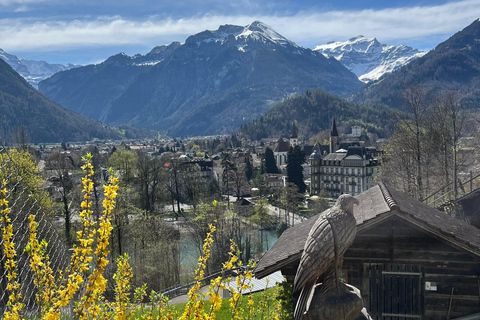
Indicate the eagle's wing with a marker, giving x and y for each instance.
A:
(318, 253)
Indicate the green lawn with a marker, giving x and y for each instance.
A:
(225, 311)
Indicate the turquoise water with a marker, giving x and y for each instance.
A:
(261, 241)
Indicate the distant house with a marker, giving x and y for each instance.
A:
(356, 131)
(206, 166)
(409, 260)
(274, 180)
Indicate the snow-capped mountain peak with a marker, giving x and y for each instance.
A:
(243, 37)
(358, 44)
(260, 29)
(33, 71)
(367, 57)
(256, 31)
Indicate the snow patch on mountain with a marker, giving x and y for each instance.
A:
(33, 71)
(261, 31)
(368, 58)
(148, 63)
(256, 31)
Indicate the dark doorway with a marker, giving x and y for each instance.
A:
(395, 292)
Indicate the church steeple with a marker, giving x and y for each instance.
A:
(334, 132)
(334, 143)
(293, 136)
(294, 131)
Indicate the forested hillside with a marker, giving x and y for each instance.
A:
(313, 112)
(43, 119)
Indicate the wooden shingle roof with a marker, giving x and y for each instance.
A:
(376, 204)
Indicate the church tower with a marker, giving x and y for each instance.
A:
(334, 142)
(293, 136)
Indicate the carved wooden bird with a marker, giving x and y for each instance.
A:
(322, 257)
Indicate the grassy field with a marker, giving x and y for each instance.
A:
(225, 312)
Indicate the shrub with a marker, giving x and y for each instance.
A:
(89, 257)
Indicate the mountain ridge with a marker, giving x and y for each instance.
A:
(368, 58)
(212, 83)
(32, 70)
(453, 65)
(313, 112)
(43, 119)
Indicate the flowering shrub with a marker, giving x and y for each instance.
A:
(14, 306)
(90, 257)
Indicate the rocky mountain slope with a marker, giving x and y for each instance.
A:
(368, 58)
(43, 119)
(212, 83)
(453, 65)
(33, 71)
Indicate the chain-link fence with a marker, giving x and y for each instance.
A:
(22, 202)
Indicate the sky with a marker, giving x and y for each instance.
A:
(89, 31)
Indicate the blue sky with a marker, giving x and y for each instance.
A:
(89, 31)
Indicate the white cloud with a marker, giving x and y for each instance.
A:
(306, 28)
(386, 24)
(19, 2)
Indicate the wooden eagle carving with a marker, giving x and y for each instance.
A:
(322, 256)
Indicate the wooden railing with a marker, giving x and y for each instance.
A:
(447, 194)
(181, 290)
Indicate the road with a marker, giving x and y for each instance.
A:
(274, 211)
(293, 218)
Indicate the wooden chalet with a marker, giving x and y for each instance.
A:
(409, 260)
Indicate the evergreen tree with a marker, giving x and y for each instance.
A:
(270, 165)
(228, 166)
(262, 186)
(248, 169)
(295, 159)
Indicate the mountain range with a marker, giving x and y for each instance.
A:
(219, 79)
(43, 119)
(453, 65)
(210, 84)
(32, 70)
(368, 58)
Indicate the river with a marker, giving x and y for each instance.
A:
(189, 253)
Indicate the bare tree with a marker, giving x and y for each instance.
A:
(290, 199)
(172, 164)
(21, 137)
(417, 109)
(239, 179)
(421, 155)
(194, 185)
(61, 164)
(149, 178)
(155, 248)
(228, 166)
(448, 125)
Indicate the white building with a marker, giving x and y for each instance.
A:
(351, 170)
(281, 149)
(356, 131)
